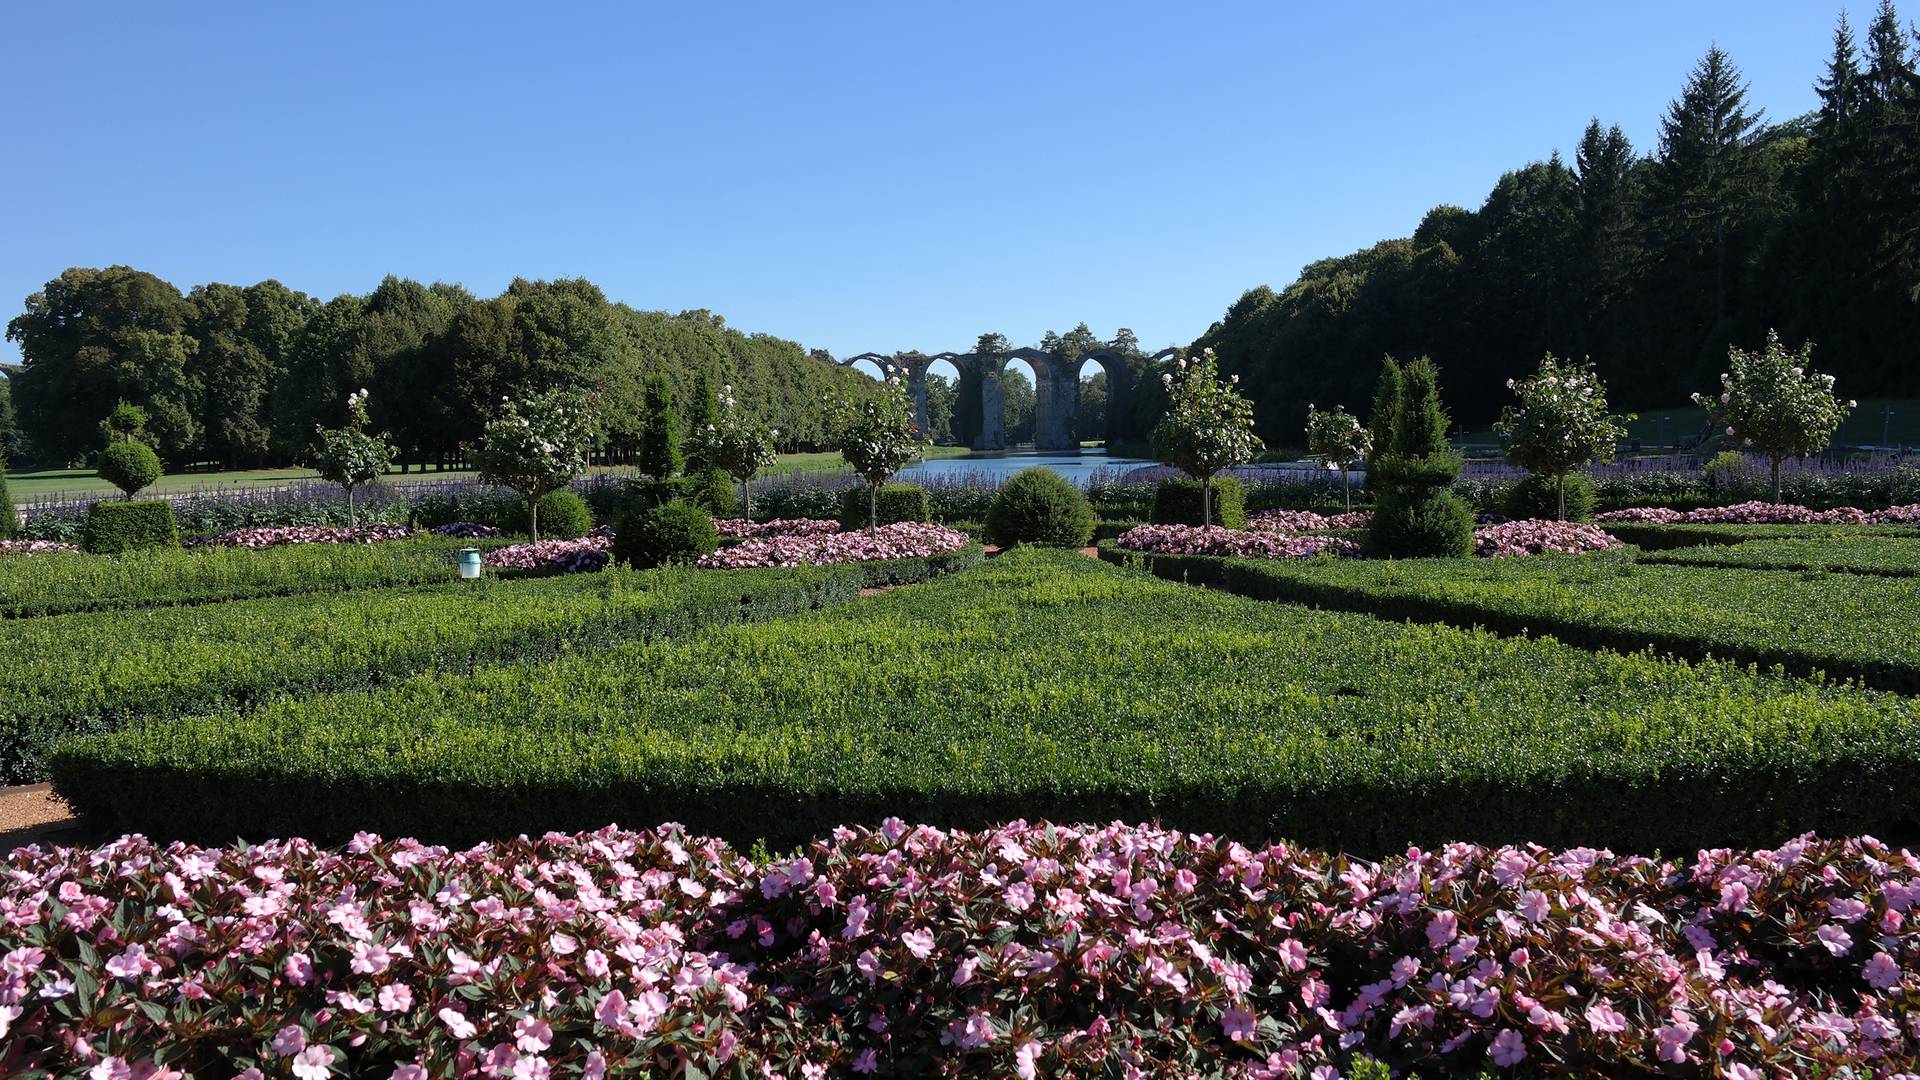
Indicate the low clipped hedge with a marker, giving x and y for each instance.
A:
(885, 572)
(1179, 502)
(1842, 626)
(894, 502)
(168, 576)
(115, 527)
(77, 674)
(1044, 685)
(1882, 556)
(1663, 537)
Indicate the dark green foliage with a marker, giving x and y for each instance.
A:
(1039, 506)
(1845, 625)
(676, 532)
(660, 455)
(713, 491)
(129, 466)
(76, 674)
(1411, 476)
(894, 502)
(1178, 502)
(563, 516)
(1043, 685)
(705, 411)
(114, 527)
(499, 508)
(9, 520)
(1538, 497)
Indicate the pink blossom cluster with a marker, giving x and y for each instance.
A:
(33, 547)
(900, 540)
(261, 536)
(1027, 950)
(1764, 513)
(1216, 540)
(1536, 536)
(1304, 521)
(742, 527)
(585, 555)
(470, 530)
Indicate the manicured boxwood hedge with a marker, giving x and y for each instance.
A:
(1848, 627)
(1883, 556)
(115, 527)
(1047, 685)
(1662, 537)
(50, 584)
(72, 674)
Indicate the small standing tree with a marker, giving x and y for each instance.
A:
(878, 436)
(1208, 427)
(125, 422)
(1560, 423)
(1338, 438)
(660, 432)
(351, 456)
(538, 445)
(1774, 402)
(733, 445)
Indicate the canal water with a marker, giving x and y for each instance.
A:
(1075, 467)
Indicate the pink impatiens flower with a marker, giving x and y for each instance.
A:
(1881, 972)
(1239, 1024)
(314, 1063)
(1605, 1019)
(1508, 1048)
(1835, 938)
(918, 942)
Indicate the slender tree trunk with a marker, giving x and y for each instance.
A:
(1346, 488)
(1206, 502)
(350, 517)
(746, 488)
(1561, 483)
(873, 506)
(1776, 477)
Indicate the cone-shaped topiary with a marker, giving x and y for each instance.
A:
(1415, 513)
(1039, 506)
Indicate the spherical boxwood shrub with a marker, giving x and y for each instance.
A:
(1177, 502)
(712, 491)
(1537, 497)
(129, 466)
(1039, 506)
(678, 532)
(114, 527)
(564, 515)
(897, 502)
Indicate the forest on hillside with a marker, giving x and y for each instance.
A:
(1651, 263)
(238, 376)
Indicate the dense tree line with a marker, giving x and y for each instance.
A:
(1651, 264)
(239, 376)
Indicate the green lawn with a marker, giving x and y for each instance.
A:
(84, 482)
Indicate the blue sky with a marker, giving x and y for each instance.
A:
(884, 176)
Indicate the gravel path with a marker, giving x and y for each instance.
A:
(32, 815)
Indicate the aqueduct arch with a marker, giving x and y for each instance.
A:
(1056, 389)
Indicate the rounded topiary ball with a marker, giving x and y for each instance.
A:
(1538, 497)
(129, 466)
(678, 532)
(564, 515)
(1039, 506)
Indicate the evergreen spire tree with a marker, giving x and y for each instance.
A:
(1890, 126)
(660, 431)
(1415, 511)
(1604, 164)
(706, 416)
(1386, 405)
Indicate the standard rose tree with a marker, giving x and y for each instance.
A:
(1208, 427)
(732, 444)
(1774, 402)
(878, 436)
(1560, 423)
(537, 445)
(1338, 438)
(350, 456)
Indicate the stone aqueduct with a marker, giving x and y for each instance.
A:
(1056, 389)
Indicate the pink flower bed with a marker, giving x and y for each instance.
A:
(1023, 951)
(1307, 521)
(272, 536)
(585, 555)
(1764, 513)
(741, 527)
(1538, 537)
(34, 547)
(901, 540)
(1215, 540)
